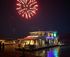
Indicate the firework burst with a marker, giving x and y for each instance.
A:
(27, 8)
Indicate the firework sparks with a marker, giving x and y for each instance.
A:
(27, 8)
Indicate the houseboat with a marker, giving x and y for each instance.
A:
(39, 39)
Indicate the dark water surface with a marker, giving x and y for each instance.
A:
(51, 52)
(10, 51)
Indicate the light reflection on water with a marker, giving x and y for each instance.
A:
(52, 52)
(62, 51)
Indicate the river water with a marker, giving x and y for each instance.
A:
(63, 51)
(50, 52)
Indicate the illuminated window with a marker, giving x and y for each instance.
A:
(50, 34)
(32, 42)
(55, 34)
(27, 42)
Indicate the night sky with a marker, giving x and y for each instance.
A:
(53, 15)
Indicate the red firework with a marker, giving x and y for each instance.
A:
(27, 8)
